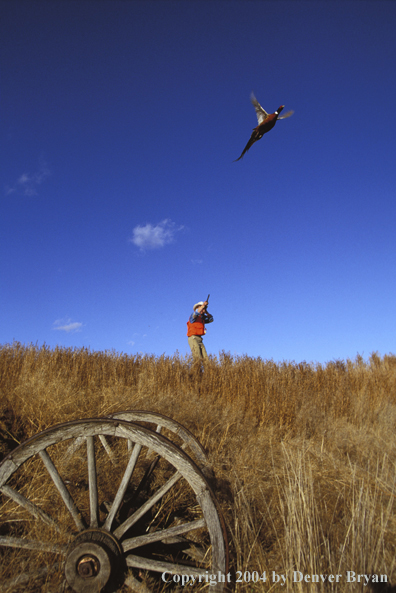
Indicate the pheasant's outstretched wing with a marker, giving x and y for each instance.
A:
(253, 138)
(260, 112)
(287, 114)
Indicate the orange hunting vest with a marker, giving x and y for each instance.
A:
(197, 328)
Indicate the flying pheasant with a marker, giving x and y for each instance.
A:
(266, 122)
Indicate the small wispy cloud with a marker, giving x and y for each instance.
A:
(197, 261)
(27, 184)
(67, 325)
(155, 237)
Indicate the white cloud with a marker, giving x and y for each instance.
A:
(154, 237)
(27, 183)
(67, 325)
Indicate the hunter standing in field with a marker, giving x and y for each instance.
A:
(196, 329)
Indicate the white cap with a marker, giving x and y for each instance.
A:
(198, 304)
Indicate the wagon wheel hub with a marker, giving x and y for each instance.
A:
(94, 560)
(88, 566)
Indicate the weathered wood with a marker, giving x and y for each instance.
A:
(146, 478)
(218, 535)
(163, 534)
(51, 436)
(29, 506)
(119, 532)
(77, 443)
(74, 446)
(123, 486)
(92, 481)
(108, 450)
(169, 567)
(189, 440)
(63, 491)
(28, 544)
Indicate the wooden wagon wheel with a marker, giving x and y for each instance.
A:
(80, 522)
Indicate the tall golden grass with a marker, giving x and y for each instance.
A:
(304, 453)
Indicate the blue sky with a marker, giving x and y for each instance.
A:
(121, 205)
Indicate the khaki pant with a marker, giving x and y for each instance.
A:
(197, 348)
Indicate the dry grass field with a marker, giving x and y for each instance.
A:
(304, 454)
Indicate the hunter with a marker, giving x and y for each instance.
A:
(196, 329)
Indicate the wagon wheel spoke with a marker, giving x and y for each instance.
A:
(108, 450)
(19, 542)
(119, 497)
(93, 484)
(158, 430)
(119, 532)
(170, 567)
(144, 481)
(74, 446)
(34, 510)
(63, 491)
(164, 534)
(78, 442)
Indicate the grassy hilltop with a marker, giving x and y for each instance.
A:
(304, 454)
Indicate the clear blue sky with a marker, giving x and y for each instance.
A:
(121, 205)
